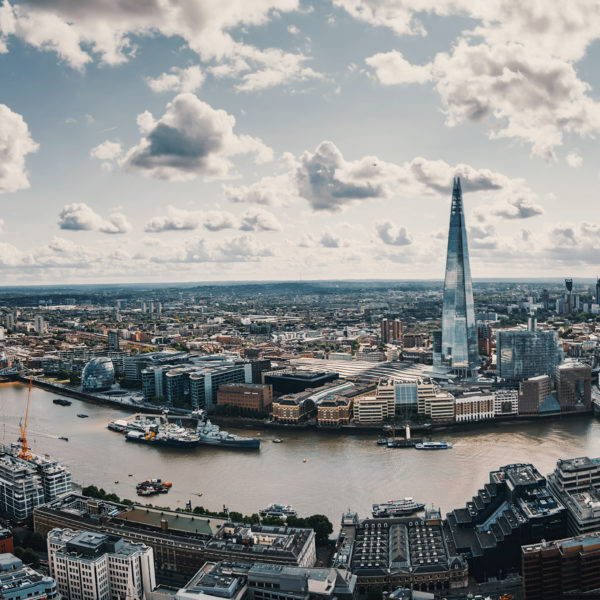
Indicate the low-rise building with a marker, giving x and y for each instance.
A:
(249, 397)
(89, 565)
(18, 581)
(371, 409)
(506, 402)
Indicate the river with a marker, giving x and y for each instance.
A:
(340, 472)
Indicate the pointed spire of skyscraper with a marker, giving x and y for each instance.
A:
(459, 334)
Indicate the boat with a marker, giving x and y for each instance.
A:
(82, 415)
(152, 486)
(116, 481)
(119, 425)
(211, 435)
(164, 437)
(382, 442)
(277, 441)
(62, 437)
(130, 475)
(282, 511)
(397, 508)
(62, 402)
(402, 443)
(433, 446)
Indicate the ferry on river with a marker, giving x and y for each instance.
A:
(397, 508)
(278, 510)
(433, 446)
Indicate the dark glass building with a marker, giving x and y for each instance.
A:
(98, 374)
(459, 332)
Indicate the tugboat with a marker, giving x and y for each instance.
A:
(397, 508)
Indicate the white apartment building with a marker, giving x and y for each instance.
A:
(474, 408)
(506, 402)
(88, 565)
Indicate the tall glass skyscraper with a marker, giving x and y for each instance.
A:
(458, 353)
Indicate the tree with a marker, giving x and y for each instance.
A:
(374, 593)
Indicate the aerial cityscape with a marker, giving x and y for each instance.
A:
(299, 300)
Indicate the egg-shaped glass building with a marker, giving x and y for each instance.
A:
(98, 375)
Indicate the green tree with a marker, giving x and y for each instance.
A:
(374, 593)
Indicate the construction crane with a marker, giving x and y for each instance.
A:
(25, 453)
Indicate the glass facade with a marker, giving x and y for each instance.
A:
(98, 374)
(459, 333)
(525, 354)
(406, 395)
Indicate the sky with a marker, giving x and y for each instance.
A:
(227, 140)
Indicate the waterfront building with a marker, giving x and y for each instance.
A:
(576, 482)
(98, 375)
(249, 397)
(573, 386)
(402, 394)
(177, 539)
(506, 402)
(294, 382)
(88, 565)
(532, 394)
(514, 508)
(459, 353)
(18, 581)
(335, 412)
(134, 365)
(474, 407)
(224, 579)
(412, 552)
(25, 484)
(263, 544)
(373, 409)
(566, 568)
(522, 354)
(113, 340)
(391, 330)
(425, 392)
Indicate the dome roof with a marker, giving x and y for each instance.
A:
(98, 374)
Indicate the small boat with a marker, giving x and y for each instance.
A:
(62, 437)
(277, 441)
(62, 402)
(433, 446)
(382, 442)
(130, 475)
(82, 415)
(117, 481)
(199, 494)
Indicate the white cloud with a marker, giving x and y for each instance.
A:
(177, 219)
(273, 190)
(259, 219)
(393, 236)
(574, 159)
(178, 80)
(329, 239)
(80, 217)
(216, 220)
(392, 68)
(107, 151)
(190, 139)
(15, 144)
(79, 31)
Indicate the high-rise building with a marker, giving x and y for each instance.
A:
(19, 581)
(113, 339)
(574, 386)
(532, 393)
(38, 324)
(523, 354)
(459, 333)
(10, 321)
(90, 565)
(598, 291)
(391, 331)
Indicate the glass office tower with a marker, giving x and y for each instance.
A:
(459, 333)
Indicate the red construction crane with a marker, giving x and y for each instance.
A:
(25, 452)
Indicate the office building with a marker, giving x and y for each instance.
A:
(514, 508)
(263, 544)
(567, 568)
(506, 402)
(88, 565)
(459, 353)
(335, 411)
(10, 321)
(573, 386)
(113, 340)
(576, 482)
(484, 339)
(373, 409)
(532, 394)
(26, 484)
(98, 375)
(293, 382)
(522, 354)
(438, 405)
(412, 552)
(248, 397)
(474, 407)
(18, 582)
(391, 330)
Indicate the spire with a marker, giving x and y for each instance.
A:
(456, 195)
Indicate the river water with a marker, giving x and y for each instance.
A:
(340, 472)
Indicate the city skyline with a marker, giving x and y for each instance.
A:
(288, 139)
